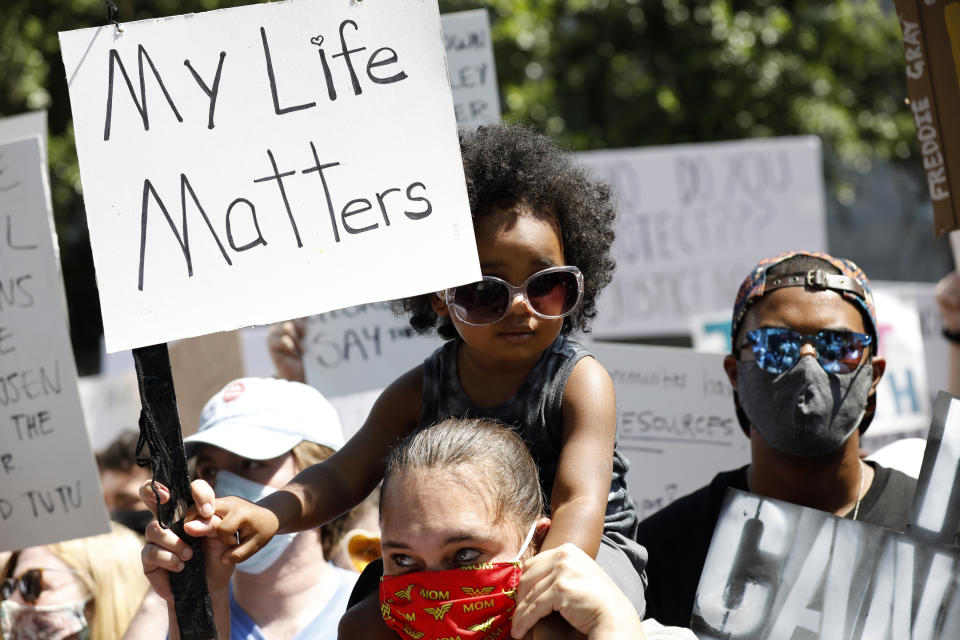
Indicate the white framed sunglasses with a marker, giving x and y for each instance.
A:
(553, 293)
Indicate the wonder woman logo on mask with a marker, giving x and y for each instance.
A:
(439, 612)
(405, 593)
(476, 593)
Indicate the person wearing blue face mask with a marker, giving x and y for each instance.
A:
(254, 436)
(804, 368)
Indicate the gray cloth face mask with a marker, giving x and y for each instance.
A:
(804, 411)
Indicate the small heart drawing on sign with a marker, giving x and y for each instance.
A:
(317, 40)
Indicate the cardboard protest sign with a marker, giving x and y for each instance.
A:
(271, 161)
(695, 218)
(49, 489)
(676, 421)
(111, 405)
(780, 571)
(931, 38)
(361, 349)
(202, 366)
(473, 74)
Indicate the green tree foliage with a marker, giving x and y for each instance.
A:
(594, 73)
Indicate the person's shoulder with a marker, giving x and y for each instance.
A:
(889, 501)
(703, 504)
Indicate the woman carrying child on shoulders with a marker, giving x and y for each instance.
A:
(543, 229)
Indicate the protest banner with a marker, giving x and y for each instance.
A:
(931, 38)
(676, 421)
(49, 490)
(695, 218)
(784, 572)
(361, 349)
(473, 74)
(277, 161)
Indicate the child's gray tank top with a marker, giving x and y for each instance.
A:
(535, 412)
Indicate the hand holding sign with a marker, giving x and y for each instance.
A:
(948, 299)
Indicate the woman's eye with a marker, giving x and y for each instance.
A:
(402, 560)
(250, 465)
(466, 556)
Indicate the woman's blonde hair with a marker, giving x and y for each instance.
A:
(109, 566)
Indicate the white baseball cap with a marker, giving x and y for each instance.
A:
(263, 418)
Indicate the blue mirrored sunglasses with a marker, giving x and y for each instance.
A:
(777, 350)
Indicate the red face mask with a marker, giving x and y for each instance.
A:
(475, 602)
(469, 603)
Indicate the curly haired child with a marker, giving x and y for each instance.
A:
(543, 228)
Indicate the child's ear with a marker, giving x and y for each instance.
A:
(439, 304)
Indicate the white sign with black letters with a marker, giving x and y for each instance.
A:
(361, 349)
(676, 421)
(49, 489)
(695, 218)
(473, 74)
(271, 161)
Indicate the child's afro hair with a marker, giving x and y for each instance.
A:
(508, 166)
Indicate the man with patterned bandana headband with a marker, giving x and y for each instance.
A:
(803, 415)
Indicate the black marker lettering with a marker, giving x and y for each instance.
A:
(319, 168)
(183, 238)
(283, 193)
(345, 54)
(418, 215)
(373, 62)
(383, 208)
(256, 225)
(211, 93)
(142, 103)
(16, 247)
(273, 81)
(348, 211)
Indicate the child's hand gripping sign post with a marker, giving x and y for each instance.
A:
(255, 164)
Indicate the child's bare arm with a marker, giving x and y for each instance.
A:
(579, 497)
(323, 491)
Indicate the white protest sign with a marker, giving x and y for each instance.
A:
(49, 489)
(676, 421)
(936, 349)
(111, 405)
(473, 74)
(271, 161)
(695, 218)
(25, 125)
(361, 348)
(903, 402)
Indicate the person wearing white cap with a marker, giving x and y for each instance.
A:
(254, 436)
